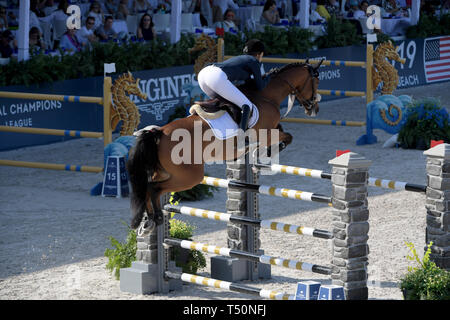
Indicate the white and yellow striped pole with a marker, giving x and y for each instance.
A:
(267, 190)
(319, 174)
(286, 263)
(265, 224)
(220, 284)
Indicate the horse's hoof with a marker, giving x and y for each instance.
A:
(146, 228)
(158, 218)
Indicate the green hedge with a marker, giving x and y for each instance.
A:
(429, 27)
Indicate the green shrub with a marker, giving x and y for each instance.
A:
(195, 259)
(426, 120)
(122, 254)
(429, 27)
(339, 33)
(426, 281)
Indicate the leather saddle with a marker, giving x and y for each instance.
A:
(213, 106)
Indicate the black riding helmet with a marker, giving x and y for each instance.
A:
(253, 47)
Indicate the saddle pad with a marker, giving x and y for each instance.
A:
(224, 127)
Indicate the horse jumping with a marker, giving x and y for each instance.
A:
(152, 171)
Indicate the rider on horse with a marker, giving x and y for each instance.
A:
(217, 79)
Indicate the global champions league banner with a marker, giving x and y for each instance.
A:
(427, 61)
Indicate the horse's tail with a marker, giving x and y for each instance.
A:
(142, 164)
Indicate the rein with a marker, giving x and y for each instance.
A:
(308, 104)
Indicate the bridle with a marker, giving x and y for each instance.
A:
(308, 104)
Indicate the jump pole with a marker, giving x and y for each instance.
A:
(319, 174)
(265, 224)
(226, 285)
(54, 132)
(262, 258)
(50, 166)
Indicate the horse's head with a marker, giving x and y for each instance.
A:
(303, 81)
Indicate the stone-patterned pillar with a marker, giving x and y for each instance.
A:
(350, 224)
(239, 236)
(147, 274)
(438, 204)
(237, 205)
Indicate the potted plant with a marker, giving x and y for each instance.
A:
(189, 260)
(426, 120)
(427, 281)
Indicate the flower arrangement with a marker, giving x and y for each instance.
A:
(426, 120)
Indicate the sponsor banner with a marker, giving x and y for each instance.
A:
(166, 89)
(50, 114)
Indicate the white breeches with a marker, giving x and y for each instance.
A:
(213, 81)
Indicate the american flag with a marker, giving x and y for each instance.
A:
(437, 59)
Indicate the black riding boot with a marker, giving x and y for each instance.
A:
(245, 117)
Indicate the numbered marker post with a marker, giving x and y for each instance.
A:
(115, 181)
(74, 21)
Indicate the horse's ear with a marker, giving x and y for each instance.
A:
(319, 64)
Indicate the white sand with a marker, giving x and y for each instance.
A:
(53, 234)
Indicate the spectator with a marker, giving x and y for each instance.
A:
(391, 6)
(87, 33)
(357, 10)
(111, 7)
(225, 4)
(34, 40)
(70, 41)
(332, 7)
(445, 6)
(3, 18)
(95, 11)
(142, 6)
(322, 10)
(146, 30)
(122, 10)
(50, 7)
(6, 50)
(228, 21)
(270, 13)
(362, 10)
(106, 32)
(314, 16)
(12, 20)
(165, 5)
(196, 7)
(37, 6)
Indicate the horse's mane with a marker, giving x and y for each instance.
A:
(275, 71)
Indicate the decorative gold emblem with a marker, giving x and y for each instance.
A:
(123, 109)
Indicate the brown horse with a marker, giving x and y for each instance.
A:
(152, 171)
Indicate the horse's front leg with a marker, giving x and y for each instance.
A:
(273, 143)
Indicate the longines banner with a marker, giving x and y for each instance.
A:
(427, 61)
